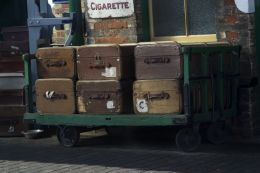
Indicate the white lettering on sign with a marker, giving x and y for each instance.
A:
(110, 8)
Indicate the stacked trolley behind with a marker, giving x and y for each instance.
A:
(218, 87)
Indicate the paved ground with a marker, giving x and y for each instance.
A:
(103, 154)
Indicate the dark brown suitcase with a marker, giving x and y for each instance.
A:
(157, 97)
(16, 33)
(12, 97)
(163, 60)
(158, 61)
(55, 96)
(11, 65)
(104, 97)
(12, 110)
(106, 62)
(14, 126)
(56, 62)
(14, 48)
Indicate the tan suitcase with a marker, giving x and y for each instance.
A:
(157, 96)
(56, 62)
(106, 62)
(55, 96)
(104, 97)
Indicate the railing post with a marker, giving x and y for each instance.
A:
(75, 7)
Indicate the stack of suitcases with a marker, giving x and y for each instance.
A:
(158, 70)
(106, 74)
(55, 91)
(95, 79)
(12, 100)
(146, 78)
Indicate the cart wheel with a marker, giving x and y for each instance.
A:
(216, 133)
(188, 140)
(68, 136)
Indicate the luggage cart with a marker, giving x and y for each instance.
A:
(188, 137)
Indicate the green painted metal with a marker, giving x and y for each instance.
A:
(107, 120)
(78, 35)
(257, 32)
(28, 82)
(186, 68)
(220, 84)
(205, 86)
(145, 22)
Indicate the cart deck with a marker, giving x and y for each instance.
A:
(106, 120)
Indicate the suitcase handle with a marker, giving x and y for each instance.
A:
(100, 66)
(60, 63)
(100, 97)
(157, 60)
(51, 95)
(161, 96)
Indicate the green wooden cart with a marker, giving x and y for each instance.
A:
(188, 137)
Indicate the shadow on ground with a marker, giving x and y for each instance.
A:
(144, 151)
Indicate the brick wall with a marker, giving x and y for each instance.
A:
(116, 30)
(238, 28)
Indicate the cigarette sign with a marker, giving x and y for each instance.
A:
(110, 8)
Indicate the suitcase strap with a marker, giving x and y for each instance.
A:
(160, 60)
(51, 95)
(160, 96)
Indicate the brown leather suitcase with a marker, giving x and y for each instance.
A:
(57, 62)
(11, 65)
(55, 96)
(104, 97)
(158, 61)
(157, 97)
(14, 48)
(15, 33)
(106, 62)
(12, 126)
(12, 110)
(12, 97)
(163, 60)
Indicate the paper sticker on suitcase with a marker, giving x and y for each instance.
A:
(105, 62)
(56, 62)
(157, 97)
(55, 96)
